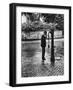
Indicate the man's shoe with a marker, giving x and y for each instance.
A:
(44, 58)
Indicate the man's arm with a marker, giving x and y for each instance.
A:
(41, 40)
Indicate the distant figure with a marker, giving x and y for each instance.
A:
(43, 45)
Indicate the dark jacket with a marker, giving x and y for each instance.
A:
(43, 41)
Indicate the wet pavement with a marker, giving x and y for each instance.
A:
(31, 60)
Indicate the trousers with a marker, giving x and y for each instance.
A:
(43, 53)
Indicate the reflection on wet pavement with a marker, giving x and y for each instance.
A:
(32, 65)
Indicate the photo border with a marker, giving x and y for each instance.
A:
(12, 64)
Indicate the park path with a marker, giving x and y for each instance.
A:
(32, 65)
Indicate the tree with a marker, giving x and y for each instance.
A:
(49, 18)
(59, 19)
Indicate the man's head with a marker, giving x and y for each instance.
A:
(45, 33)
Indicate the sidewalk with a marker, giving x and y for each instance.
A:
(38, 69)
(32, 63)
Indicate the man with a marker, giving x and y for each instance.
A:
(43, 44)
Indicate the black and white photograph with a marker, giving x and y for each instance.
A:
(40, 39)
(42, 44)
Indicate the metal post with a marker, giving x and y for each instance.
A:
(52, 47)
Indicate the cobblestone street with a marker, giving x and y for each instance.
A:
(31, 60)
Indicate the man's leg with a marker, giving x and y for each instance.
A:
(43, 53)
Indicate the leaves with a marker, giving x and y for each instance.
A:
(40, 21)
